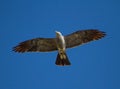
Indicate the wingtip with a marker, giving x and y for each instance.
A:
(18, 49)
(98, 34)
(21, 48)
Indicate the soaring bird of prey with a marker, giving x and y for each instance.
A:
(60, 43)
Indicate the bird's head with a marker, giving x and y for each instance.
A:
(58, 33)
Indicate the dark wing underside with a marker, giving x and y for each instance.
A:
(37, 45)
(83, 36)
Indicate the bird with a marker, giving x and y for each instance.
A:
(60, 43)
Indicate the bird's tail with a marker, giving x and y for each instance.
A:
(62, 59)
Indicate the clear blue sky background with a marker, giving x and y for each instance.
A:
(94, 66)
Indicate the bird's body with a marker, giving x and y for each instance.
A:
(59, 43)
(62, 58)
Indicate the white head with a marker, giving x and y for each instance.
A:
(58, 33)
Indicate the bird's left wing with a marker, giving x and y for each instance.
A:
(37, 45)
(82, 36)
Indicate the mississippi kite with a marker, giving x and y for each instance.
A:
(59, 43)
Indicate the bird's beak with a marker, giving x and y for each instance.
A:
(56, 31)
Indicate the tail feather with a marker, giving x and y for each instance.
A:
(62, 60)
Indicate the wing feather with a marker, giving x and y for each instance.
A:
(38, 44)
(83, 36)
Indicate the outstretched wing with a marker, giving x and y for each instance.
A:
(83, 36)
(37, 45)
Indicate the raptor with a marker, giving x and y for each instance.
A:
(60, 43)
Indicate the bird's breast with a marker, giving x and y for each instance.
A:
(60, 41)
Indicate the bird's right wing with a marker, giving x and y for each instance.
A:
(82, 36)
(37, 45)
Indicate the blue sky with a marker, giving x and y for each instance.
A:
(94, 65)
